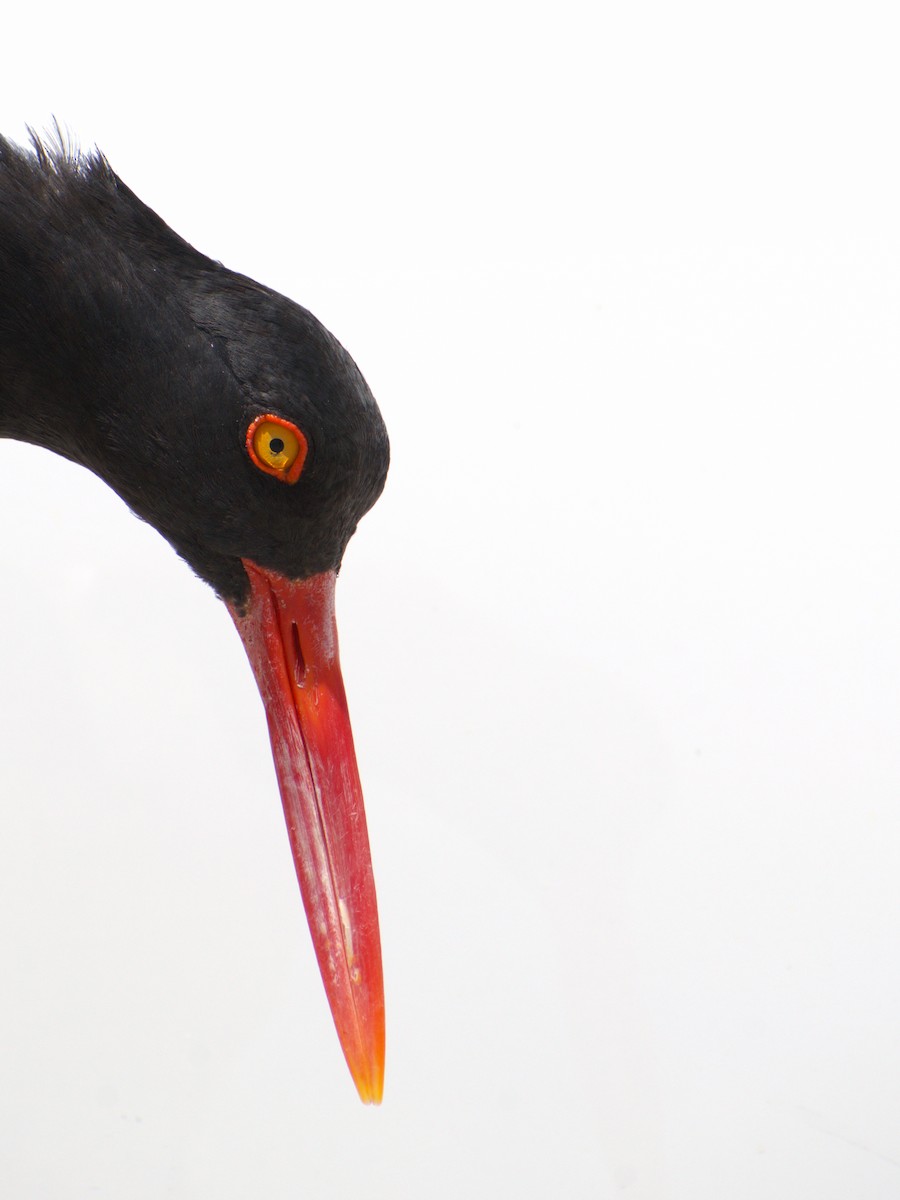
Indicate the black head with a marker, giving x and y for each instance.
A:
(125, 349)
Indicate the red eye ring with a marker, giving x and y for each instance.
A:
(284, 462)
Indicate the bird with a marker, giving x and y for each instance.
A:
(226, 416)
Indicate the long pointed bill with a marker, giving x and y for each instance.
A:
(290, 636)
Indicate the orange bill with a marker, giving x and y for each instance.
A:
(290, 636)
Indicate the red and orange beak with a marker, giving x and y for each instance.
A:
(290, 635)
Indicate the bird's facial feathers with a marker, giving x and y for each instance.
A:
(152, 367)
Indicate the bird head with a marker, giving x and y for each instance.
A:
(231, 420)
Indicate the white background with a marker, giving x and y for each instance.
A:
(622, 639)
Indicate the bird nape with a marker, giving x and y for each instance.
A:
(230, 419)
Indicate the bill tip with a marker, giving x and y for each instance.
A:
(370, 1090)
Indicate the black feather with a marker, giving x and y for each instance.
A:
(125, 349)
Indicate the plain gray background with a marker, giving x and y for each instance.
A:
(621, 641)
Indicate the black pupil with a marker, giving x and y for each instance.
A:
(276, 445)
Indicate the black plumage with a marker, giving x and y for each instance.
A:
(125, 349)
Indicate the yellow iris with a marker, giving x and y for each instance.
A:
(277, 447)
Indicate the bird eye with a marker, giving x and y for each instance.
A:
(277, 447)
